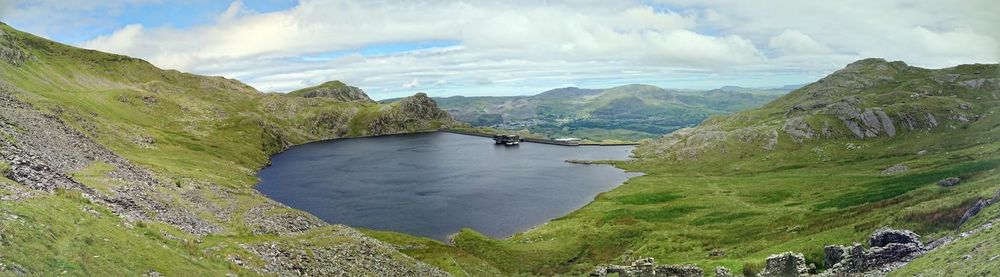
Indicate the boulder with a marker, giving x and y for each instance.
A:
(950, 181)
(886, 236)
(890, 249)
(723, 272)
(786, 264)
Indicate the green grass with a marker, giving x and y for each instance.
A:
(751, 203)
(646, 199)
(200, 136)
(42, 241)
(450, 259)
(737, 197)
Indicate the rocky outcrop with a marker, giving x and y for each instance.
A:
(336, 90)
(786, 264)
(647, 267)
(868, 99)
(950, 181)
(979, 206)
(417, 112)
(889, 250)
(886, 236)
(10, 53)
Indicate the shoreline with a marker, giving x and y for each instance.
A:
(540, 140)
(449, 238)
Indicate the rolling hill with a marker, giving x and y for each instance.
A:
(625, 113)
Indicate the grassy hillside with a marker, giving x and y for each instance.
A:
(122, 168)
(113, 167)
(801, 172)
(625, 113)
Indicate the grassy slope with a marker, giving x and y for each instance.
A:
(751, 203)
(200, 133)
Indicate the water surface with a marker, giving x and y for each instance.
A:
(434, 184)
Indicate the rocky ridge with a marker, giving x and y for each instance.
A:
(411, 113)
(860, 101)
(336, 90)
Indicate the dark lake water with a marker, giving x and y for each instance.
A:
(434, 184)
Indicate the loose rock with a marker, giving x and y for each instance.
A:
(890, 250)
(950, 181)
(647, 267)
(786, 264)
(895, 169)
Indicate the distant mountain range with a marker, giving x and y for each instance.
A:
(629, 113)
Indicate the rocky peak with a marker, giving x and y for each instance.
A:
(334, 90)
(421, 106)
(417, 112)
(862, 74)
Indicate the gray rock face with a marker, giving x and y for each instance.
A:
(799, 129)
(981, 83)
(950, 181)
(786, 264)
(647, 267)
(890, 249)
(833, 255)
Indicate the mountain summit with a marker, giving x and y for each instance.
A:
(334, 90)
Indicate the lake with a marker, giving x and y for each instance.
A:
(434, 184)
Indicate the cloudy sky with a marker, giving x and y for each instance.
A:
(396, 48)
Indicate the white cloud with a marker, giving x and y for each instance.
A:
(526, 46)
(792, 42)
(412, 84)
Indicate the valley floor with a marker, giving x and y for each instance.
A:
(737, 214)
